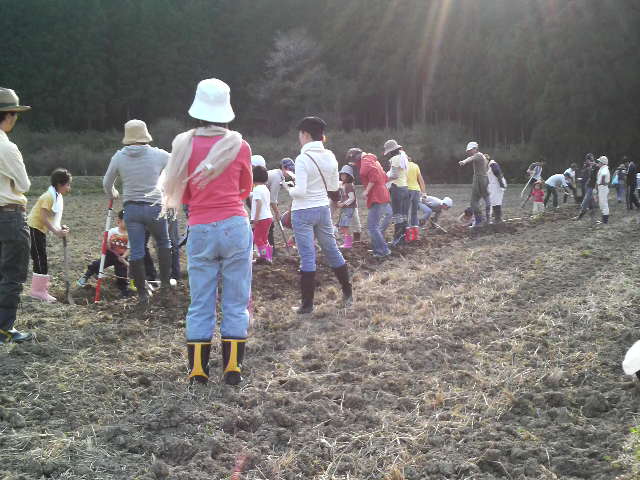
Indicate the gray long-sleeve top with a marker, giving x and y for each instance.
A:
(138, 167)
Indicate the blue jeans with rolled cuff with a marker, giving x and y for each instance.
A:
(219, 259)
(310, 224)
(378, 220)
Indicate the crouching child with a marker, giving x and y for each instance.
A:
(116, 257)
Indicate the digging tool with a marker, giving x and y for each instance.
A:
(525, 186)
(67, 282)
(284, 237)
(104, 250)
(438, 227)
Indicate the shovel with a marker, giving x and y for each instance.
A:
(284, 237)
(67, 282)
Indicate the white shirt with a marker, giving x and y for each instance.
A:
(310, 191)
(261, 192)
(556, 181)
(274, 183)
(571, 172)
(604, 177)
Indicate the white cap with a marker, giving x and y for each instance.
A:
(212, 102)
(603, 160)
(631, 362)
(472, 145)
(258, 161)
(448, 202)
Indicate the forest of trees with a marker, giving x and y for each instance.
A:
(561, 76)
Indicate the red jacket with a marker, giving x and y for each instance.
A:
(371, 172)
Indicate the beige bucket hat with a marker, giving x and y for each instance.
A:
(390, 146)
(135, 131)
(9, 101)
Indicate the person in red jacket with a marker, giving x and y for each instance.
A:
(376, 195)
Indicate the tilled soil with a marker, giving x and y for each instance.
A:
(478, 355)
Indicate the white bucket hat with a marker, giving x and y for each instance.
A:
(390, 146)
(135, 131)
(348, 170)
(603, 160)
(212, 102)
(472, 145)
(448, 202)
(258, 161)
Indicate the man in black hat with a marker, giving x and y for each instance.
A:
(14, 234)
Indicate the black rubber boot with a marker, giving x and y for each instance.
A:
(487, 211)
(232, 358)
(137, 272)
(356, 237)
(342, 274)
(198, 353)
(164, 263)
(398, 234)
(605, 219)
(497, 213)
(307, 288)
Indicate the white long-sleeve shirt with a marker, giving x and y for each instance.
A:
(556, 181)
(14, 181)
(310, 191)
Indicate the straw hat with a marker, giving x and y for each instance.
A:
(390, 146)
(135, 131)
(212, 102)
(9, 101)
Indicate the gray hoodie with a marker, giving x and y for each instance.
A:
(138, 167)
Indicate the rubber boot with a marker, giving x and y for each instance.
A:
(416, 233)
(398, 234)
(198, 354)
(342, 274)
(269, 253)
(137, 273)
(488, 214)
(479, 219)
(232, 358)
(497, 214)
(40, 288)
(307, 288)
(348, 241)
(605, 219)
(164, 263)
(356, 237)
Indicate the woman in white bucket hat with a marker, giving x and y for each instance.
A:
(210, 172)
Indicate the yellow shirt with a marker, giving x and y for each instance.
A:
(412, 176)
(401, 181)
(34, 220)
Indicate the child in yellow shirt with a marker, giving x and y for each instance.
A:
(45, 216)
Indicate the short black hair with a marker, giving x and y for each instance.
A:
(314, 126)
(260, 174)
(4, 115)
(60, 176)
(121, 215)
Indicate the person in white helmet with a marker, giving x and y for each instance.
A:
(604, 177)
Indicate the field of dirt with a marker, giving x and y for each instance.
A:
(468, 355)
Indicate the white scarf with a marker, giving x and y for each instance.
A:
(57, 206)
(404, 160)
(174, 182)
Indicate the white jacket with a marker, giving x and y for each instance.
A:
(310, 191)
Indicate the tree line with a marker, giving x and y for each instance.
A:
(560, 76)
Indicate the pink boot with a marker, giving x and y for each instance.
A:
(348, 241)
(40, 288)
(269, 254)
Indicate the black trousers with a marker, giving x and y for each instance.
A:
(39, 251)
(111, 260)
(633, 199)
(551, 191)
(14, 264)
(271, 235)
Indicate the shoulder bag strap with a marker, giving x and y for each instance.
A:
(320, 172)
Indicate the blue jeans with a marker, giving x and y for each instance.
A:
(219, 255)
(427, 212)
(310, 224)
(414, 202)
(378, 219)
(141, 216)
(399, 203)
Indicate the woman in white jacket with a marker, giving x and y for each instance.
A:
(604, 177)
